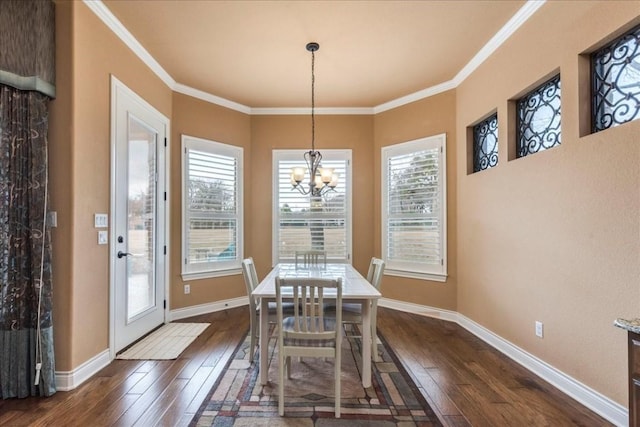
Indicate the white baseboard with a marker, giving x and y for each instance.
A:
(451, 316)
(598, 403)
(68, 380)
(195, 310)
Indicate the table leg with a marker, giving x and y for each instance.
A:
(366, 344)
(264, 341)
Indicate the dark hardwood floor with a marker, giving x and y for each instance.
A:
(467, 382)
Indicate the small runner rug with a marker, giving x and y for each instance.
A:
(238, 398)
(166, 342)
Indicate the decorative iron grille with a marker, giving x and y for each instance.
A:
(615, 71)
(485, 144)
(539, 118)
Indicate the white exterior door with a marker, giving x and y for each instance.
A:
(138, 206)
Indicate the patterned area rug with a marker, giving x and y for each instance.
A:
(238, 398)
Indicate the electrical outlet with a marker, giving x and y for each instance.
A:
(539, 329)
(103, 238)
(187, 289)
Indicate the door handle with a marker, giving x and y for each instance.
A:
(121, 254)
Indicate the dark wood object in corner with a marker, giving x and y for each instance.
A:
(634, 379)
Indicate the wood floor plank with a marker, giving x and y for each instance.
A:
(161, 380)
(179, 407)
(151, 376)
(467, 382)
(110, 414)
(213, 377)
(157, 409)
(438, 397)
(111, 406)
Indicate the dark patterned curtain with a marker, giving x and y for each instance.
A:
(26, 326)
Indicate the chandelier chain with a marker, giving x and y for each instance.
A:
(313, 83)
(321, 180)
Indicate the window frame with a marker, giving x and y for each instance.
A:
(477, 144)
(344, 181)
(537, 90)
(220, 268)
(407, 268)
(598, 124)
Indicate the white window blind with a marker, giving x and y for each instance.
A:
(304, 223)
(212, 207)
(414, 208)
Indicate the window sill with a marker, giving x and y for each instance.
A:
(416, 275)
(211, 274)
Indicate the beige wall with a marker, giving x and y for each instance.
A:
(294, 132)
(60, 179)
(87, 53)
(201, 119)
(553, 237)
(428, 117)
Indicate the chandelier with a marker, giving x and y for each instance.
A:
(321, 180)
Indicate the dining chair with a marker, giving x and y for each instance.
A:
(251, 282)
(308, 333)
(352, 312)
(311, 258)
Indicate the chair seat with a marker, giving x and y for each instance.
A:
(288, 326)
(287, 307)
(350, 308)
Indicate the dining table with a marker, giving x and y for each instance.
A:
(355, 289)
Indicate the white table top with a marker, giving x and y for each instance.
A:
(354, 286)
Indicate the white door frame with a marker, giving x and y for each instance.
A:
(163, 208)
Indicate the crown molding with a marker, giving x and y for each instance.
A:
(516, 21)
(121, 31)
(356, 111)
(523, 14)
(416, 96)
(205, 96)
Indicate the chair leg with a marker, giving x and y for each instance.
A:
(254, 337)
(252, 348)
(281, 384)
(337, 362)
(374, 333)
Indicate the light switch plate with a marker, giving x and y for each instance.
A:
(52, 218)
(103, 238)
(101, 220)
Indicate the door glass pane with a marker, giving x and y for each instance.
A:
(141, 213)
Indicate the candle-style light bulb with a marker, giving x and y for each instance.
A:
(298, 174)
(326, 174)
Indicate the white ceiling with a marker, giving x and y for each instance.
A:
(371, 52)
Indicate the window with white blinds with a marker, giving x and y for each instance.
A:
(414, 208)
(211, 208)
(301, 222)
